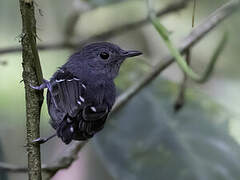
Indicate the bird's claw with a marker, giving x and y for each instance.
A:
(34, 87)
(43, 140)
(39, 140)
(41, 87)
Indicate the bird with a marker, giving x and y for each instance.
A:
(81, 93)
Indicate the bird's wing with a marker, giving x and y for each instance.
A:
(67, 101)
(65, 94)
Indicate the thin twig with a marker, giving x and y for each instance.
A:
(181, 94)
(12, 168)
(194, 11)
(199, 32)
(180, 100)
(173, 7)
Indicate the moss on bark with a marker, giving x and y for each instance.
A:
(32, 74)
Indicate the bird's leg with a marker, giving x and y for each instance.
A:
(44, 85)
(43, 140)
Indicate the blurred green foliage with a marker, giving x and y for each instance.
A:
(147, 140)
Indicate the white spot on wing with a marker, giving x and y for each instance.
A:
(69, 120)
(83, 86)
(59, 80)
(71, 129)
(81, 98)
(79, 102)
(93, 109)
(76, 79)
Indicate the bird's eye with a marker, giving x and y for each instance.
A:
(104, 55)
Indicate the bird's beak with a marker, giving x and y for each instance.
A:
(131, 53)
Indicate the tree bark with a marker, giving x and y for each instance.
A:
(32, 74)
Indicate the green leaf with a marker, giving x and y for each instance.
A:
(146, 140)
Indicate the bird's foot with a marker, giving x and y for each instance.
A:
(39, 140)
(42, 86)
(43, 140)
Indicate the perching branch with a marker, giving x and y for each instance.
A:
(32, 74)
(199, 32)
(173, 7)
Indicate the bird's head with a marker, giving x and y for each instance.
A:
(104, 57)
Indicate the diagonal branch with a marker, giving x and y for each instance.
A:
(182, 63)
(173, 7)
(197, 34)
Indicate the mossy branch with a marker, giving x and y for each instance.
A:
(32, 74)
(177, 55)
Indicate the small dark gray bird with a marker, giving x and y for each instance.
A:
(82, 92)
